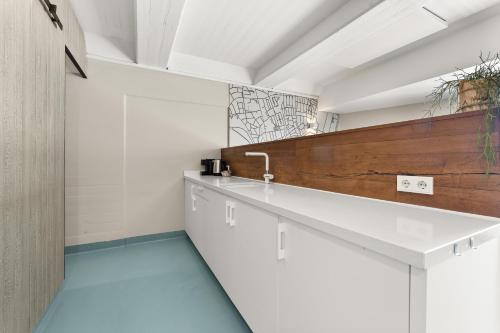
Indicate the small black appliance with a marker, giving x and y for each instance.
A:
(213, 167)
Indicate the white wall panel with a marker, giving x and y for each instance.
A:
(130, 133)
(164, 138)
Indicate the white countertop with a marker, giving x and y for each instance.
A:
(419, 236)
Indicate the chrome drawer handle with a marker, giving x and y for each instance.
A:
(472, 243)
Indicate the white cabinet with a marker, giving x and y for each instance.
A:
(239, 244)
(219, 243)
(195, 212)
(322, 284)
(285, 276)
(189, 209)
(241, 251)
(328, 285)
(459, 295)
(254, 265)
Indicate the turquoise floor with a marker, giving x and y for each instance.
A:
(161, 286)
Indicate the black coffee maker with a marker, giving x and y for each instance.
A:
(213, 167)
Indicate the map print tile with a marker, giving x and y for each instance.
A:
(257, 115)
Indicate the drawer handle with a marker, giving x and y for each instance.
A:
(472, 243)
(228, 211)
(232, 221)
(281, 241)
(193, 199)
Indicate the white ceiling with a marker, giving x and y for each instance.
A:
(331, 48)
(110, 22)
(247, 33)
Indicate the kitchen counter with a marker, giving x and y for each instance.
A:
(416, 235)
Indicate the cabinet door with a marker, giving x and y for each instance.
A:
(460, 294)
(253, 261)
(190, 212)
(195, 208)
(217, 239)
(328, 285)
(199, 221)
(243, 257)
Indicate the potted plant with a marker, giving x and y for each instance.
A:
(474, 90)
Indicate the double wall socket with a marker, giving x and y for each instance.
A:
(415, 184)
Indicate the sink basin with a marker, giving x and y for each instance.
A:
(241, 185)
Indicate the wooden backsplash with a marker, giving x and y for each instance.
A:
(365, 162)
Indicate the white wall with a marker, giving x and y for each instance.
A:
(130, 133)
(385, 116)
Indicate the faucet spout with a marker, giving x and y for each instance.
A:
(260, 154)
(267, 175)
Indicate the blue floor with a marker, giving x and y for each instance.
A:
(160, 286)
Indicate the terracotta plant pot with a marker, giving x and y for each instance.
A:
(471, 97)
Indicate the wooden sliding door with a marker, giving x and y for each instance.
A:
(32, 75)
(15, 52)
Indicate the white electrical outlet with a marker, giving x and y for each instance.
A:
(415, 184)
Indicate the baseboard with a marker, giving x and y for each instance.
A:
(72, 249)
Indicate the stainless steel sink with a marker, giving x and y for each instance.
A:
(242, 185)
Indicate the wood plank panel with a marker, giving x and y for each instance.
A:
(31, 163)
(74, 37)
(36, 163)
(45, 176)
(14, 230)
(365, 162)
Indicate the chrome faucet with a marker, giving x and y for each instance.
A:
(267, 175)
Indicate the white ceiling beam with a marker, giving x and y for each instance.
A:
(457, 47)
(306, 49)
(157, 24)
(209, 69)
